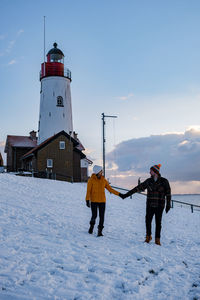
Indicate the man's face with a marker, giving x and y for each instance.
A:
(152, 173)
(99, 174)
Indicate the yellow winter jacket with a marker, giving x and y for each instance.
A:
(96, 189)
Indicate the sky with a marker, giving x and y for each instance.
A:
(137, 60)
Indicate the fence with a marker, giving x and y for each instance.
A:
(54, 176)
(192, 206)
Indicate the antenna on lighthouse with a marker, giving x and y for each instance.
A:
(44, 45)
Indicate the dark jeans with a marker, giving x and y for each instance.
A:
(101, 207)
(150, 212)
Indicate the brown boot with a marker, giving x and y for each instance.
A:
(148, 238)
(157, 241)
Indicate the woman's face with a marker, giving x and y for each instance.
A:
(99, 174)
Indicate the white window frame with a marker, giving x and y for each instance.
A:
(62, 145)
(49, 163)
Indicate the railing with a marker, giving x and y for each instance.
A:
(192, 206)
(53, 71)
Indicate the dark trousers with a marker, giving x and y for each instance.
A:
(150, 212)
(101, 207)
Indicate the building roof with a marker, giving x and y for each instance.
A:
(20, 142)
(49, 140)
(89, 161)
(80, 152)
(55, 50)
(80, 145)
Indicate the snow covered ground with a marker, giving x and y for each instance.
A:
(46, 252)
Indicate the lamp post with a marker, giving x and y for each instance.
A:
(104, 140)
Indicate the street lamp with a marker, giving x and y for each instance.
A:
(104, 140)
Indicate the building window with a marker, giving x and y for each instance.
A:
(49, 114)
(49, 163)
(62, 145)
(60, 101)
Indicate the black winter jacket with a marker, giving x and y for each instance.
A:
(157, 191)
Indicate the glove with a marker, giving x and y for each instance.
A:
(167, 208)
(122, 196)
(88, 203)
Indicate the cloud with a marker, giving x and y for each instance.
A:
(10, 46)
(88, 151)
(179, 154)
(12, 62)
(11, 43)
(20, 32)
(126, 97)
(2, 144)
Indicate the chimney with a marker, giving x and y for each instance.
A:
(75, 135)
(33, 135)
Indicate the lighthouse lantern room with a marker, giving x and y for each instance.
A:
(55, 96)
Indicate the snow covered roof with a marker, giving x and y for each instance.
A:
(20, 141)
(47, 141)
(89, 161)
(80, 145)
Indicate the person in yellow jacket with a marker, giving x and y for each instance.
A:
(96, 199)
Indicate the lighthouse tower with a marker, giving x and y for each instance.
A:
(55, 96)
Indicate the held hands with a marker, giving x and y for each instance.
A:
(122, 196)
(88, 203)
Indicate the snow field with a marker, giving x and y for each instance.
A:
(46, 252)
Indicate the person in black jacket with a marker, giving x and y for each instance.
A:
(158, 192)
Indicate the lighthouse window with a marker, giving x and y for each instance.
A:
(62, 145)
(60, 101)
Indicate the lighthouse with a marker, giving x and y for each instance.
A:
(55, 96)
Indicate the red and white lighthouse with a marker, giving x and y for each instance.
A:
(55, 96)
